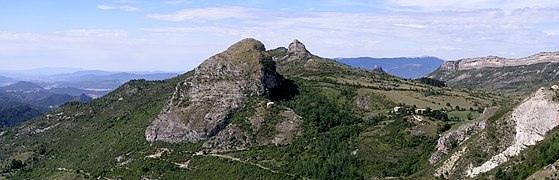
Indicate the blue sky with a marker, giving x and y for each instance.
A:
(177, 35)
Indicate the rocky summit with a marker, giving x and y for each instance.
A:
(219, 87)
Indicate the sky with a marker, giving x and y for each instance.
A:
(177, 35)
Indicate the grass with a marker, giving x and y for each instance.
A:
(463, 115)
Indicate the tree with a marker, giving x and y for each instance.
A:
(470, 116)
(15, 164)
(499, 174)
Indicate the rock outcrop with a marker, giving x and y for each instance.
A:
(534, 117)
(379, 69)
(202, 104)
(516, 76)
(494, 61)
(456, 137)
(296, 51)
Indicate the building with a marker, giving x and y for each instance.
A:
(397, 109)
(420, 111)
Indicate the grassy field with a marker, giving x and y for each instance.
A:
(463, 115)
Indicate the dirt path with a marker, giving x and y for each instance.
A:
(247, 162)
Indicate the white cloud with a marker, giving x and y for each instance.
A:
(419, 26)
(122, 8)
(94, 33)
(102, 49)
(175, 2)
(438, 33)
(206, 14)
(446, 34)
(476, 4)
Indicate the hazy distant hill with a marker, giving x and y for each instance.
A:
(107, 75)
(72, 81)
(23, 86)
(406, 67)
(29, 93)
(22, 101)
(76, 91)
(6, 80)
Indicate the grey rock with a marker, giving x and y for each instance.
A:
(454, 138)
(534, 117)
(297, 47)
(494, 61)
(201, 105)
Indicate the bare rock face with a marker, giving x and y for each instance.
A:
(494, 61)
(516, 76)
(201, 105)
(235, 138)
(456, 137)
(297, 47)
(534, 118)
(297, 51)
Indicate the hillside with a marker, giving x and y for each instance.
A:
(513, 143)
(71, 81)
(6, 80)
(246, 113)
(23, 101)
(405, 67)
(517, 76)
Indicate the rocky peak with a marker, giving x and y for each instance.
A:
(379, 69)
(297, 48)
(245, 45)
(219, 87)
(296, 52)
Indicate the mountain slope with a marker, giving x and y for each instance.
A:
(238, 116)
(504, 136)
(6, 80)
(14, 113)
(404, 67)
(517, 76)
(219, 87)
(23, 101)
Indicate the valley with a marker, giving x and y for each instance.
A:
(327, 120)
(198, 89)
(45, 90)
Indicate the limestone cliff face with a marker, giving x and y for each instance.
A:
(534, 118)
(201, 105)
(500, 139)
(456, 137)
(494, 61)
(519, 76)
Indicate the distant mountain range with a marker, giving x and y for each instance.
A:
(492, 73)
(405, 67)
(22, 101)
(41, 90)
(6, 80)
(73, 81)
